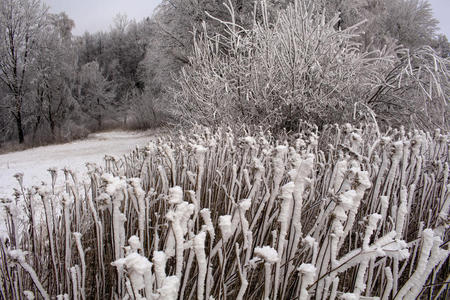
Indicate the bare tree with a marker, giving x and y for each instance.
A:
(21, 24)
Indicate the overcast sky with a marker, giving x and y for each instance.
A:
(441, 10)
(95, 15)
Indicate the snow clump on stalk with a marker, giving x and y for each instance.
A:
(139, 268)
(308, 273)
(267, 253)
(178, 219)
(206, 216)
(199, 249)
(270, 257)
(159, 261)
(226, 227)
(29, 295)
(169, 291)
(175, 195)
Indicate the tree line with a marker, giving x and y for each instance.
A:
(239, 61)
(56, 86)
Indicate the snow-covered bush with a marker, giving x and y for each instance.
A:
(347, 212)
(302, 65)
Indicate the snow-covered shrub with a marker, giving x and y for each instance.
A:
(346, 212)
(302, 65)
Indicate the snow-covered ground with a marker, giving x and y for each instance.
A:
(35, 162)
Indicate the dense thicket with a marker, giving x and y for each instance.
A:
(304, 63)
(344, 213)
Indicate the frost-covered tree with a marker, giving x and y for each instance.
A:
(118, 53)
(95, 93)
(442, 45)
(410, 22)
(22, 23)
(172, 26)
(54, 76)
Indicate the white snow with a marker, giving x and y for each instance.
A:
(225, 226)
(35, 162)
(269, 254)
(175, 195)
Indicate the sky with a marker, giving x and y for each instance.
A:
(441, 9)
(96, 15)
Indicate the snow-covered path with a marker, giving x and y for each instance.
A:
(35, 162)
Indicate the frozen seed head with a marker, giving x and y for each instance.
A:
(257, 164)
(44, 190)
(281, 149)
(159, 257)
(175, 195)
(18, 176)
(340, 214)
(170, 215)
(134, 242)
(245, 204)
(199, 149)
(249, 140)
(300, 143)
(113, 184)
(103, 200)
(287, 190)
(307, 269)
(135, 182)
(356, 138)
(349, 296)
(309, 241)
(267, 253)
(17, 254)
(346, 199)
(225, 226)
(397, 150)
(363, 179)
(29, 295)
(373, 219)
(52, 170)
(169, 290)
(137, 263)
(384, 201)
(67, 200)
(199, 240)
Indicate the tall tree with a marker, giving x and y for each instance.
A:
(172, 39)
(54, 74)
(21, 25)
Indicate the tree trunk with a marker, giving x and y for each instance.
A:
(52, 126)
(19, 126)
(99, 122)
(36, 127)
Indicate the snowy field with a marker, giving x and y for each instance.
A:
(35, 162)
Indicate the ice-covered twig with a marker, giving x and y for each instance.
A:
(19, 256)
